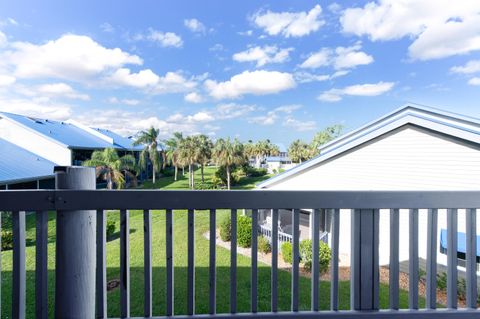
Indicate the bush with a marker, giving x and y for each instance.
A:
(325, 255)
(205, 186)
(255, 172)
(111, 225)
(236, 173)
(7, 240)
(287, 252)
(442, 281)
(244, 231)
(264, 245)
(226, 228)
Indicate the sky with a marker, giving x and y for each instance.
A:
(281, 70)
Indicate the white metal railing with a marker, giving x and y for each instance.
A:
(80, 269)
(266, 230)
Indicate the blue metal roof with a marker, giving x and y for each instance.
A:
(19, 165)
(461, 242)
(124, 142)
(68, 134)
(278, 159)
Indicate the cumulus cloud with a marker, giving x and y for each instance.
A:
(6, 80)
(271, 117)
(61, 90)
(3, 39)
(193, 97)
(299, 125)
(107, 27)
(257, 83)
(340, 58)
(439, 28)
(307, 77)
(71, 57)
(131, 102)
(474, 81)
(263, 55)
(140, 79)
(470, 67)
(289, 24)
(334, 95)
(36, 108)
(165, 39)
(195, 26)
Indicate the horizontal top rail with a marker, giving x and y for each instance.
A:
(172, 199)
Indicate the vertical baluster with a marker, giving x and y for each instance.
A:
(274, 281)
(334, 263)
(41, 265)
(147, 264)
(101, 276)
(254, 270)
(233, 261)
(394, 259)
(191, 263)
(452, 258)
(169, 253)
(315, 229)
(295, 257)
(413, 259)
(431, 293)
(212, 263)
(124, 263)
(471, 226)
(18, 296)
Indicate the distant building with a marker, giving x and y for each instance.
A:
(50, 143)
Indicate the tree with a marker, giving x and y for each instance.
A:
(204, 151)
(171, 150)
(323, 137)
(262, 149)
(149, 139)
(109, 166)
(229, 154)
(188, 156)
(298, 151)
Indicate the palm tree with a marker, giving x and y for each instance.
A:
(109, 166)
(264, 148)
(228, 154)
(298, 151)
(204, 151)
(171, 151)
(323, 137)
(149, 139)
(188, 156)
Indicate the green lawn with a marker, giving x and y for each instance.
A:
(180, 262)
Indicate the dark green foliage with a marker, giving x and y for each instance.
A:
(7, 240)
(325, 255)
(287, 252)
(255, 172)
(244, 231)
(111, 225)
(263, 245)
(205, 186)
(226, 228)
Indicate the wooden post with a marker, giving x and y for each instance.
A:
(75, 255)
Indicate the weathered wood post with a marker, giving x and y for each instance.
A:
(76, 247)
(364, 267)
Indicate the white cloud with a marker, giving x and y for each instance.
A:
(299, 125)
(193, 97)
(195, 26)
(334, 95)
(61, 90)
(247, 33)
(71, 57)
(271, 117)
(470, 67)
(175, 82)
(263, 55)
(165, 39)
(289, 24)
(233, 110)
(474, 81)
(340, 58)
(36, 108)
(257, 83)
(131, 102)
(141, 79)
(6, 80)
(107, 27)
(307, 77)
(216, 47)
(3, 39)
(439, 28)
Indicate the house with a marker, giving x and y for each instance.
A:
(55, 142)
(412, 148)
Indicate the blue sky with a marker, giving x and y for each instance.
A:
(248, 69)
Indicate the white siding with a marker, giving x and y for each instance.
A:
(35, 143)
(407, 159)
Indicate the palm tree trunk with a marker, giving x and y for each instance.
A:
(153, 167)
(203, 179)
(193, 176)
(176, 172)
(183, 170)
(228, 177)
(190, 175)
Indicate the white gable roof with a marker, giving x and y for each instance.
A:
(451, 124)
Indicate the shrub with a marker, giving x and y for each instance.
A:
(263, 245)
(287, 252)
(255, 172)
(244, 231)
(7, 240)
(226, 228)
(325, 255)
(111, 225)
(442, 281)
(236, 173)
(205, 186)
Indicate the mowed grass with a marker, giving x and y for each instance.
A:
(180, 264)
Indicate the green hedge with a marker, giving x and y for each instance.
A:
(287, 252)
(226, 228)
(111, 226)
(7, 240)
(325, 254)
(264, 245)
(244, 231)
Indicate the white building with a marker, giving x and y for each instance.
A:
(412, 148)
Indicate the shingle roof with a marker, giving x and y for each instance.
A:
(69, 134)
(18, 164)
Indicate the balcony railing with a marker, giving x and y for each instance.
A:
(80, 272)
